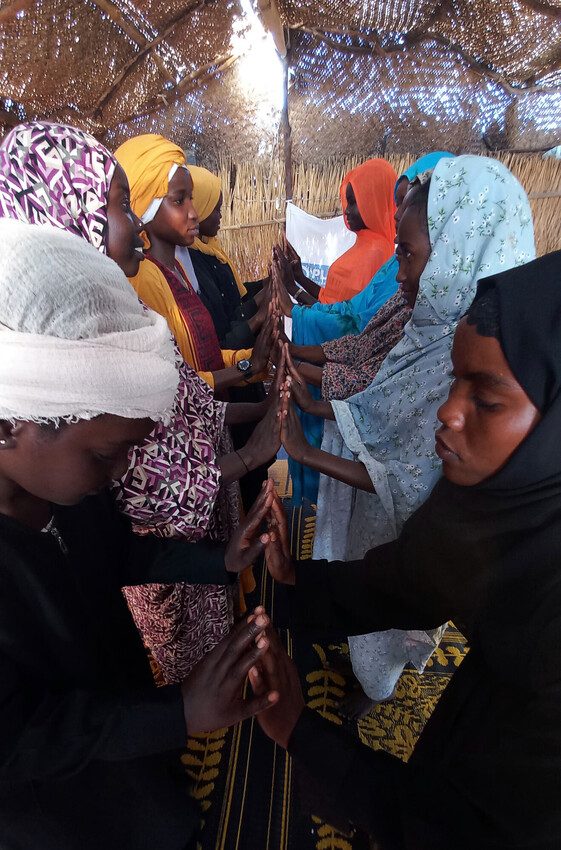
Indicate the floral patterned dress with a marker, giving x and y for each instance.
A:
(353, 361)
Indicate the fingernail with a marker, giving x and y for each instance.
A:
(261, 620)
(262, 643)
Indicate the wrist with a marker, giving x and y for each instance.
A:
(246, 456)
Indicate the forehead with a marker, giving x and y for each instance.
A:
(409, 228)
(119, 181)
(349, 192)
(181, 181)
(108, 429)
(402, 188)
(478, 355)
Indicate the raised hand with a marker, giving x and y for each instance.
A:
(277, 546)
(279, 290)
(285, 270)
(264, 343)
(276, 673)
(292, 435)
(247, 543)
(278, 357)
(265, 440)
(213, 693)
(298, 387)
(293, 258)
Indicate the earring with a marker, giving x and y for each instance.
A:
(3, 442)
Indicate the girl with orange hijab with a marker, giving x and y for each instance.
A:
(367, 199)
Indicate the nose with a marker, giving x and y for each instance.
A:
(450, 413)
(400, 277)
(138, 223)
(120, 467)
(193, 214)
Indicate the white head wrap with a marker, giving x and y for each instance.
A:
(74, 340)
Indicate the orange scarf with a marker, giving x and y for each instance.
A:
(373, 184)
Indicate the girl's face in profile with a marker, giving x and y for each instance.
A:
(66, 464)
(412, 251)
(176, 221)
(122, 240)
(487, 414)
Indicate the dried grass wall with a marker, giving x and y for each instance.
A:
(253, 210)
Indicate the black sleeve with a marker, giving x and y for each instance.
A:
(246, 309)
(49, 732)
(357, 597)
(347, 778)
(238, 335)
(152, 559)
(253, 287)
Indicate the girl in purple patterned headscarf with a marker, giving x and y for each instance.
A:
(59, 176)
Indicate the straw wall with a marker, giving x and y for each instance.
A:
(253, 210)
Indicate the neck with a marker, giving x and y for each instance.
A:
(164, 252)
(23, 506)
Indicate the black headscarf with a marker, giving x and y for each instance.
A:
(495, 546)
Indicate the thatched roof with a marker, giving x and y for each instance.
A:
(364, 76)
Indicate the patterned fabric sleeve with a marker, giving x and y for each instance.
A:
(353, 361)
(172, 483)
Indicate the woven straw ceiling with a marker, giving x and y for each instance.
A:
(365, 77)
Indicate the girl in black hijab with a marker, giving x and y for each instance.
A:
(485, 551)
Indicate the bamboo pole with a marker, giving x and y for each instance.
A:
(286, 129)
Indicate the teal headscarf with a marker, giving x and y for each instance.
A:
(324, 322)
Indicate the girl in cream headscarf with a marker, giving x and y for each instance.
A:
(88, 744)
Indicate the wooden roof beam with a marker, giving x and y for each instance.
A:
(371, 45)
(129, 66)
(268, 13)
(185, 85)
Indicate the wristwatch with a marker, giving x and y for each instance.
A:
(244, 367)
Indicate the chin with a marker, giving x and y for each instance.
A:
(132, 267)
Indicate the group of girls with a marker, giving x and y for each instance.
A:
(127, 421)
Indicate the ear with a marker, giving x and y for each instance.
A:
(10, 433)
(7, 438)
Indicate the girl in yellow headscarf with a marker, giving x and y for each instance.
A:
(237, 316)
(161, 191)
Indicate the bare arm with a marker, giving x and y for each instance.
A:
(312, 374)
(310, 353)
(239, 412)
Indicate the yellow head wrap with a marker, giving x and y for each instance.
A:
(146, 160)
(206, 194)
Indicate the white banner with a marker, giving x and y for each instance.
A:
(318, 241)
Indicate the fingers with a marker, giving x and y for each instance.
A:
(293, 371)
(240, 647)
(277, 512)
(258, 511)
(257, 704)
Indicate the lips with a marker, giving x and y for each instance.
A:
(444, 451)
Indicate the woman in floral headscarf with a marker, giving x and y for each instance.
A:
(471, 220)
(179, 481)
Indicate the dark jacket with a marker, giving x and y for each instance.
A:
(88, 745)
